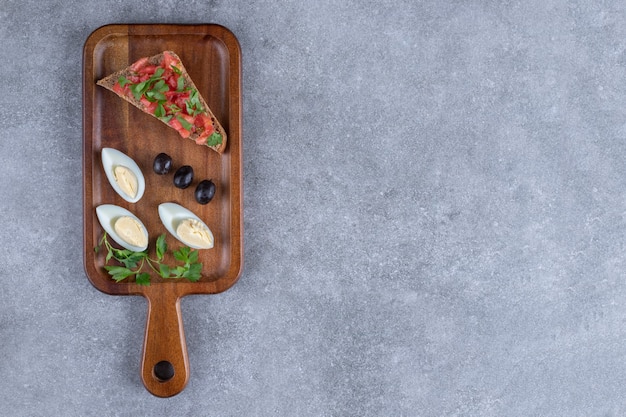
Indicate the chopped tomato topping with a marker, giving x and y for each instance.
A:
(181, 99)
(169, 60)
(172, 81)
(148, 70)
(204, 123)
(150, 106)
(170, 95)
(177, 125)
(119, 89)
(137, 66)
(188, 118)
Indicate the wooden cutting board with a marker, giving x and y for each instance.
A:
(212, 56)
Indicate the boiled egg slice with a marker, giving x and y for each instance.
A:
(185, 226)
(123, 174)
(123, 227)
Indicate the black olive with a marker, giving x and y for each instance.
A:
(183, 176)
(205, 191)
(162, 164)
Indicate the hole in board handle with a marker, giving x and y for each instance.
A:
(163, 371)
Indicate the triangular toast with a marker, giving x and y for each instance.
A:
(161, 87)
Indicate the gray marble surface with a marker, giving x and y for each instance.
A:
(435, 215)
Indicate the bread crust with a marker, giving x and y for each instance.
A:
(110, 80)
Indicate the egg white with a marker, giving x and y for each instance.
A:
(108, 215)
(172, 214)
(112, 158)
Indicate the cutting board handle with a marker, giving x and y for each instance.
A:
(164, 365)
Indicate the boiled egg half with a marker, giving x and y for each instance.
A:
(123, 227)
(123, 174)
(185, 226)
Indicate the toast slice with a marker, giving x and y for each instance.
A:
(161, 87)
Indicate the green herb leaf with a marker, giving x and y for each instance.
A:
(161, 247)
(128, 258)
(193, 272)
(153, 96)
(159, 111)
(189, 107)
(180, 84)
(143, 279)
(193, 104)
(173, 108)
(123, 81)
(158, 73)
(182, 254)
(139, 89)
(161, 86)
(214, 139)
(118, 273)
(164, 271)
(192, 257)
(176, 69)
(158, 95)
(114, 269)
(186, 125)
(186, 251)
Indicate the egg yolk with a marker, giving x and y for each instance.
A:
(194, 233)
(126, 179)
(131, 231)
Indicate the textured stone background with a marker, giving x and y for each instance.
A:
(435, 215)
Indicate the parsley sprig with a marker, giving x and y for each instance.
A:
(133, 263)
